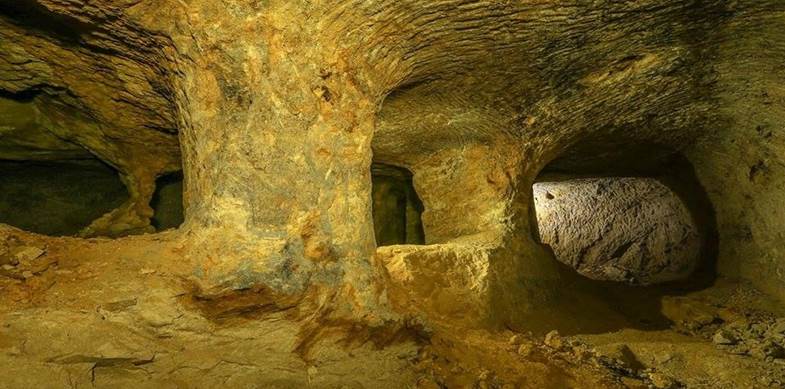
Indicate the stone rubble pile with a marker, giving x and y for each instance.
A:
(22, 261)
(617, 358)
(741, 333)
(762, 339)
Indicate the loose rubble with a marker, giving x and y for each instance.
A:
(21, 261)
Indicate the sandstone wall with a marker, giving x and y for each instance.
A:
(279, 108)
(741, 160)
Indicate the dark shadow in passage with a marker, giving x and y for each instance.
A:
(167, 202)
(397, 208)
(58, 198)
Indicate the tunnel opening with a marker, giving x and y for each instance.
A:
(397, 208)
(167, 202)
(626, 221)
(659, 241)
(57, 198)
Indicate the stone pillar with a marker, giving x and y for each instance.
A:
(276, 155)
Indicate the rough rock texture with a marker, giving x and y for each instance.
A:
(276, 109)
(741, 161)
(624, 229)
(279, 121)
(82, 81)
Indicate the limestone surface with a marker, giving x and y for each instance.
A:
(275, 111)
(622, 229)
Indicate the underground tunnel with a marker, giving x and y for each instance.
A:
(57, 198)
(62, 198)
(397, 208)
(392, 194)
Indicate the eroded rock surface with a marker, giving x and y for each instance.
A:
(275, 111)
(632, 230)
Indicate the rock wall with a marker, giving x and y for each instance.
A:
(95, 84)
(741, 159)
(278, 108)
(622, 229)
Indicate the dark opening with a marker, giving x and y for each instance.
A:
(57, 198)
(675, 173)
(397, 209)
(640, 304)
(167, 202)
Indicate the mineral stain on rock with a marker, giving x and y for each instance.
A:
(355, 193)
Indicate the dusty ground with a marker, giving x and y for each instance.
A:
(122, 313)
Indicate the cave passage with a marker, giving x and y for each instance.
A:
(57, 198)
(634, 230)
(167, 202)
(396, 207)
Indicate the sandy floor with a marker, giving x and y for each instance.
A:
(121, 313)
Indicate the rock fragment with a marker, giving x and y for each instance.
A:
(525, 350)
(27, 253)
(769, 349)
(662, 381)
(724, 337)
(554, 340)
(778, 328)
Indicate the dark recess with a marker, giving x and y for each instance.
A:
(397, 208)
(57, 198)
(167, 202)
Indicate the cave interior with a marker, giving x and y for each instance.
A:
(392, 194)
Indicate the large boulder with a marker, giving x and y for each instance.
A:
(632, 230)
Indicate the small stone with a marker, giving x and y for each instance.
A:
(758, 329)
(27, 253)
(554, 340)
(146, 271)
(661, 381)
(27, 274)
(516, 339)
(778, 327)
(740, 325)
(8, 267)
(525, 350)
(769, 349)
(724, 338)
(729, 315)
(583, 353)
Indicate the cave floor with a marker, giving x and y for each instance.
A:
(122, 313)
